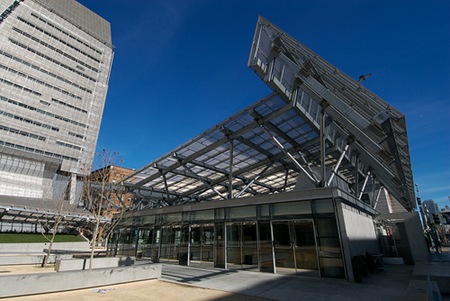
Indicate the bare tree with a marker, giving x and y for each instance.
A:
(105, 197)
(57, 205)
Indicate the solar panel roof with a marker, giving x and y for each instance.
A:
(319, 127)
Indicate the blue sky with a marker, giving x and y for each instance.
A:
(180, 67)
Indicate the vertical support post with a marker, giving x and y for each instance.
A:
(286, 179)
(189, 246)
(230, 175)
(73, 188)
(225, 245)
(322, 147)
(136, 249)
(357, 176)
(272, 238)
(165, 185)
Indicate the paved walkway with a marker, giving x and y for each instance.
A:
(195, 284)
(390, 284)
(396, 282)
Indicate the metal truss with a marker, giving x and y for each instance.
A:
(318, 126)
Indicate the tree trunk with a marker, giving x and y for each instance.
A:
(94, 242)
(49, 249)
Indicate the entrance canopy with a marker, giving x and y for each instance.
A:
(318, 128)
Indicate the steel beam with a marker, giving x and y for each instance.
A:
(253, 180)
(283, 149)
(338, 164)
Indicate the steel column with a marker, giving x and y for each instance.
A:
(230, 174)
(322, 148)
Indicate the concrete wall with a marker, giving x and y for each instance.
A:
(97, 263)
(360, 231)
(28, 284)
(35, 248)
(30, 259)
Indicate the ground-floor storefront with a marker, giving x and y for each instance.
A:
(290, 233)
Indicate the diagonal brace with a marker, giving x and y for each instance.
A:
(283, 149)
(254, 179)
(338, 164)
(205, 182)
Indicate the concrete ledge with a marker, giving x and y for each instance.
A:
(29, 259)
(33, 248)
(97, 263)
(29, 284)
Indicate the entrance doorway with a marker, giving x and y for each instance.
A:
(202, 245)
(242, 252)
(295, 247)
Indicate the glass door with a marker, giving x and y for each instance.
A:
(242, 246)
(295, 247)
(201, 244)
(219, 243)
(283, 247)
(181, 244)
(265, 250)
(305, 248)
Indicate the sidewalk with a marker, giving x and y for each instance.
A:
(395, 283)
(389, 285)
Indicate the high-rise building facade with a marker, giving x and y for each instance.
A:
(55, 62)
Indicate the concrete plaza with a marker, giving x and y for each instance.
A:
(395, 282)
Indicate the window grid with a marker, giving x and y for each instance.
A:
(45, 71)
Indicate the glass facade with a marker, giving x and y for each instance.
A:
(300, 237)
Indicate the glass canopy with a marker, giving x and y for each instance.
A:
(318, 128)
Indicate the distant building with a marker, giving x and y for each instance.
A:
(432, 211)
(107, 181)
(114, 175)
(446, 214)
(55, 62)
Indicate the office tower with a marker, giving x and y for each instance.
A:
(55, 62)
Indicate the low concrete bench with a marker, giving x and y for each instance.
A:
(30, 284)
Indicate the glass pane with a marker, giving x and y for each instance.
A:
(249, 245)
(204, 215)
(220, 246)
(233, 236)
(263, 211)
(332, 267)
(242, 212)
(281, 234)
(293, 208)
(323, 206)
(173, 217)
(220, 214)
(265, 247)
